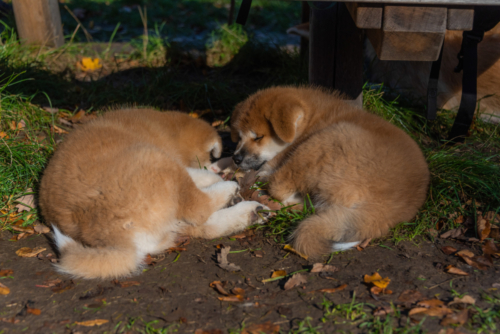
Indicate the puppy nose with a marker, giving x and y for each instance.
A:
(237, 158)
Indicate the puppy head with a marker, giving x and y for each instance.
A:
(265, 124)
(202, 142)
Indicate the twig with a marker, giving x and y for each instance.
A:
(145, 40)
(435, 286)
(87, 35)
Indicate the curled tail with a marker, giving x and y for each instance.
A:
(335, 228)
(91, 262)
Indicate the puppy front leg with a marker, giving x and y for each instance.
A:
(231, 220)
(203, 178)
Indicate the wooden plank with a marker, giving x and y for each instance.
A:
(460, 18)
(336, 51)
(38, 22)
(366, 16)
(410, 33)
(425, 2)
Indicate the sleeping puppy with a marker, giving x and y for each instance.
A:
(128, 183)
(364, 175)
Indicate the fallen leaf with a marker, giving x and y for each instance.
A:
(78, 116)
(89, 64)
(175, 249)
(265, 328)
(278, 273)
(454, 270)
(26, 202)
(473, 263)
(490, 248)
(40, 229)
(483, 228)
(459, 220)
(331, 290)
(291, 249)
(409, 297)
(459, 318)
(382, 310)
(258, 253)
(430, 303)
(57, 129)
(435, 311)
(210, 331)
(379, 291)
(6, 272)
(217, 285)
(217, 123)
(453, 234)
(465, 252)
(34, 311)
(50, 283)
(4, 290)
(126, 284)
(3, 135)
(28, 252)
(320, 267)
(238, 291)
(377, 280)
(63, 286)
(448, 250)
(295, 280)
(232, 298)
(492, 217)
(90, 323)
(239, 236)
(465, 300)
(223, 262)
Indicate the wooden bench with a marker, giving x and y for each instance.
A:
(398, 30)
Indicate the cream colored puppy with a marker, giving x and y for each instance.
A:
(127, 183)
(364, 175)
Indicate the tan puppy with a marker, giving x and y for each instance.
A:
(364, 175)
(128, 183)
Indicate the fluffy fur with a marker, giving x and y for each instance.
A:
(127, 183)
(364, 174)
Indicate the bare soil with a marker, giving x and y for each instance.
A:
(175, 291)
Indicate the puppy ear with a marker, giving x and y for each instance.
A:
(285, 119)
(216, 148)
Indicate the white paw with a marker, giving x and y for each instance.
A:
(253, 212)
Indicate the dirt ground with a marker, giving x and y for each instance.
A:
(176, 290)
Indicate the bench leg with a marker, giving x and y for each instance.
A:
(336, 50)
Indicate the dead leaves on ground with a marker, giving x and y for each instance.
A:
(125, 284)
(320, 267)
(289, 248)
(236, 295)
(29, 252)
(91, 323)
(331, 290)
(4, 290)
(380, 284)
(266, 328)
(295, 280)
(89, 64)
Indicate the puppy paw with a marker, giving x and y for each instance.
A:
(254, 212)
(236, 199)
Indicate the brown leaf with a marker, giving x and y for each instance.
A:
(448, 250)
(217, 285)
(126, 284)
(6, 272)
(456, 318)
(57, 129)
(90, 323)
(454, 270)
(331, 290)
(78, 116)
(490, 248)
(50, 283)
(63, 286)
(4, 290)
(379, 291)
(473, 263)
(278, 273)
(465, 300)
(453, 234)
(265, 328)
(295, 280)
(320, 267)
(210, 331)
(239, 236)
(231, 298)
(34, 311)
(377, 280)
(41, 229)
(223, 262)
(492, 217)
(238, 291)
(483, 228)
(435, 311)
(409, 297)
(382, 310)
(28, 252)
(291, 249)
(258, 253)
(365, 243)
(246, 183)
(26, 202)
(465, 252)
(430, 303)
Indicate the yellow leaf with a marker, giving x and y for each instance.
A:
(3, 135)
(377, 280)
(90, 323)
(291, 249)
(89, 64)
(28, 252)
(4, 290)
(278, 273)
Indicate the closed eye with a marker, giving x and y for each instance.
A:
(258, 138)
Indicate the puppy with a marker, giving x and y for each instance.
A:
(127, 183)
(364, 175)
